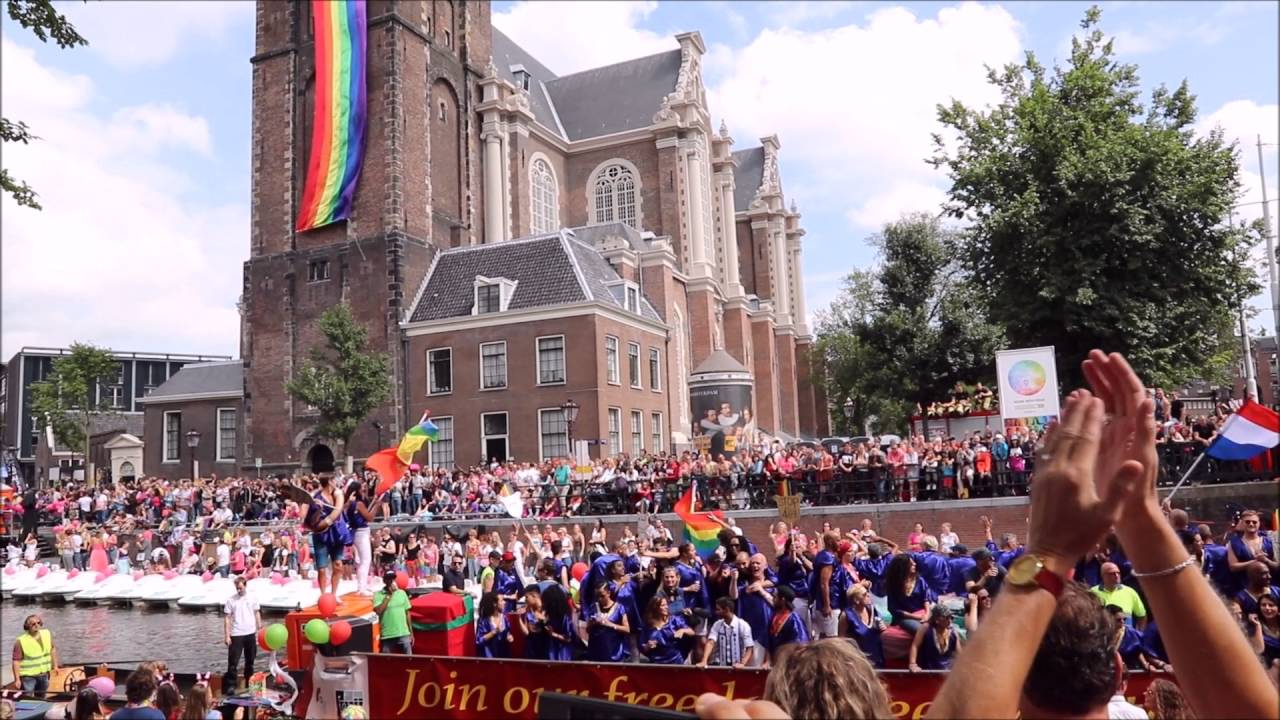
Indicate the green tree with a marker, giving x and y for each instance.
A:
(903, 334)
(342, 381)
(1096, 222)
(69, 398)
(45, 22)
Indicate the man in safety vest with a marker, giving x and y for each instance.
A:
(34, 657)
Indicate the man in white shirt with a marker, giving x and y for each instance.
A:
(222, 515)
(729, 642)
(241, 620)
(224, 557)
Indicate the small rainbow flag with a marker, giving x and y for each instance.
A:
(417, 436)
(512, 501)
(699, 528)
(340, 118)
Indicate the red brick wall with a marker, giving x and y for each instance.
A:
(702, 320)
(643, 155)
(737, 335)
(762, 341)
(785, 347)
(804, 389)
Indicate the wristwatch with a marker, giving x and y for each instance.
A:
(1029, 571)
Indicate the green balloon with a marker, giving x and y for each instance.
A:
(277, 636)
(317, 631)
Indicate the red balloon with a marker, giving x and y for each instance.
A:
(327, 605)
(339, 632)
(402, 580)
(578, 571)
(262, 640)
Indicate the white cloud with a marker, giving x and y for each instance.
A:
(131, 33)
(572, 36)
(854, 106)
(794, 13)
(121, 255)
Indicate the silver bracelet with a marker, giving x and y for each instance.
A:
(1167, 571)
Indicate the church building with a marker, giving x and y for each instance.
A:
(519, 243)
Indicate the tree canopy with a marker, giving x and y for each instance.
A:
(45, 22)
(1092, 220)
(906, 332)
(342, 381)
(69, 398)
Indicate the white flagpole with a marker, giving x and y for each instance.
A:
(1185, 475)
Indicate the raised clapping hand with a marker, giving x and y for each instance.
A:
(1073, 506)
(1129, 439)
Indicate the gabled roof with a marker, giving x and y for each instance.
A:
(719, 362)
(124, 440)
(747, 176)
(199, 380)
(615, 98)
(548, 270)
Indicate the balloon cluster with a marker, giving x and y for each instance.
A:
(273, 637)
(319, 631)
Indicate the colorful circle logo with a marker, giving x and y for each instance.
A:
(1027, 377)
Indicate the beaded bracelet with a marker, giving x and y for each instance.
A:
(1167, 571)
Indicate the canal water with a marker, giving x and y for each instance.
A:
(187, 641)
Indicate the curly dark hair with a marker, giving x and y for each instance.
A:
(1075, 669)
(896, 574)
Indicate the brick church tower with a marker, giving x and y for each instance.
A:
(419, 191)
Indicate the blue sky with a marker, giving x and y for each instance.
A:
(144, 163)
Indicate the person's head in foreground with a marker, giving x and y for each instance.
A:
(1164, 701)
(825, 680)
(1076, 670)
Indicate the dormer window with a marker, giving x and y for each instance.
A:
(633, 298)
(492, 294)
(521, 77)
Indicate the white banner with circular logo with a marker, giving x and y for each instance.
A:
(1028, 382)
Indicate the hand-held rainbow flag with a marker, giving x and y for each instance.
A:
(389, 466)
(417, 436)
(340, 118)
(699, 528)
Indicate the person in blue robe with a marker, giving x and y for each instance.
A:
(609, 629)
(864, 624)
(493, 635)
(662, 639)
(786, 627)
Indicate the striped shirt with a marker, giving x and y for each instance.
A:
(732, 640)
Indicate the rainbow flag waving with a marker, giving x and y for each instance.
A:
(340, 118)
(699, 528)
(417, 436)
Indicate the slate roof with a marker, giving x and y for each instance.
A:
(747, 176)
(614, 98)
(720, 362)
(201, 379)
(593, 235)
(98, 424)
(548, 270)
(506, 54)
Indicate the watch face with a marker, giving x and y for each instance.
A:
(1023, 570)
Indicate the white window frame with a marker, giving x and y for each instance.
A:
(430, 390)
(220, 447)
(542, 447)
(614, 430)
(593, 214)
(637, 380)
(631, 298)
(164, 438)
(506, 437)
(544, 212)
(656, 437)
(506, 369)
(637, 433)
(442, 423)
(612, 363)
(655, 378)
(537, 360)
(506, 289)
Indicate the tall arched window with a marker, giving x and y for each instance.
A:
(544, 197)
(615, 195)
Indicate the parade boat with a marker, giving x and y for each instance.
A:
(210, 595)
(171, 591)
(36, 586)
(127, 595)
(14, 577)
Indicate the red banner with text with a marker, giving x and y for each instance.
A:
(474, 688)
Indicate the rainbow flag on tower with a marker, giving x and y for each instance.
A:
(340, 117)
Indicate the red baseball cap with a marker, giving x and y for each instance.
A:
(508, 556)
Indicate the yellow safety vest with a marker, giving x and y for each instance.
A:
(37, 655)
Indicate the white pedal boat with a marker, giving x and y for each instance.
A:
(98, 592)
(171, 591)
(211, 595)
(35, 586)
(69, 587)
(16, 576)
(148, 584)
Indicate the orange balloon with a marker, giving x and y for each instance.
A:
(339, 632)
(327, 605)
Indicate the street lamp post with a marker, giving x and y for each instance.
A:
(848, 413)
(193, 442)
(570, 410)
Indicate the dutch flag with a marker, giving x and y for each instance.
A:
(1250, 431)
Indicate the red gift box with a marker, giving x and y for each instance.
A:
(443, 624)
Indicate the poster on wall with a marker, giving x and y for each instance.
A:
(1028, 383)
(723, 418)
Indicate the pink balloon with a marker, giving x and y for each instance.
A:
(170, 574)
(146, 535)
(100, 577)
(275, 576)
(207, 576)
(73, 572)
(11, 570)
(137, 574)
(57, 529)
(44, 570)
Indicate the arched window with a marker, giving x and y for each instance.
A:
(544, 197)
(615, 195)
